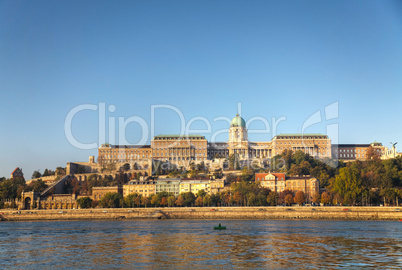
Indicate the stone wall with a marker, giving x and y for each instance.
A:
(218, 213)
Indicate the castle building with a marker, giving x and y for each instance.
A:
(182, 150)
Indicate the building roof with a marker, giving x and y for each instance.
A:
(175, 136)
(238, 121)
(350, 145)
(300, 135)
(278, 175)
(15, 170)
(125, 146)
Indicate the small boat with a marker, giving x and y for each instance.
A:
(220, 227)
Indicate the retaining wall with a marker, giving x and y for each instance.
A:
(345, 213)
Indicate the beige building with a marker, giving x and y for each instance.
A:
(99, 192)
(179, 149)
(279, 182)
(351, 152)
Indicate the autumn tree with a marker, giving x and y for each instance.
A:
(325, 198)
(179, 201)
(199, 201)
(289, 199)
(299, 198)
(316, 198)
(164, 201)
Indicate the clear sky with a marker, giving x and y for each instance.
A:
(275, 58)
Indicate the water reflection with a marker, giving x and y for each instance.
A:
(193, 243)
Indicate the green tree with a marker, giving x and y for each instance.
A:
(84, 202)
(111, 200)
(171, 200)
(348, 183)
(272, 198)
(207, 200)
(201, 193)
(36, 174)
(130, 200)
(189, 198)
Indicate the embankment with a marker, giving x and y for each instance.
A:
(343, 213)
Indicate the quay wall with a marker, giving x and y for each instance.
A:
(218, 213)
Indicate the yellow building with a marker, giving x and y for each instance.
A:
(190, 185)
(144, 188)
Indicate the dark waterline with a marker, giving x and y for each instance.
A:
(300, 244)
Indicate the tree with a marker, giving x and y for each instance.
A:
(316, 198)
(60, 171)
(348, 183)
(325, 198)
(180, 201)
(171, 200)
(126, 167)
(111, 200)
(299, 197)
(289, 199)
(130, 200)
(45, 173)
(164, 201)
(36, 174)
(37, 186)
(84, 202)
(188, 197)
(201, 193)
(272, 198)
(199, 201)
(207, 200)
(145, 201)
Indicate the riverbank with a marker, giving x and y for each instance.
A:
(341, 213)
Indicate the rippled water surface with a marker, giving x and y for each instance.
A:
(297, 244)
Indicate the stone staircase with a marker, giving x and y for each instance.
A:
(57, 185)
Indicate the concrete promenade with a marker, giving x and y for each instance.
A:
(334, 212)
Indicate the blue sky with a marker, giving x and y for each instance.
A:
(276, 58)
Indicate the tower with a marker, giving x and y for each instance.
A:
(238, 142)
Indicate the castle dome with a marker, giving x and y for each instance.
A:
(238, 122)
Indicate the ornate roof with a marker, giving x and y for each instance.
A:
(238, 122)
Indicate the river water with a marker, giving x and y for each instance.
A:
(263, 244)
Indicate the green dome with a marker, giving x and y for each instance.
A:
(238, 122)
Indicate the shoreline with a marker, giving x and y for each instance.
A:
(261, 213)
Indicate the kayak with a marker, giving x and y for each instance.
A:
(220, 227)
